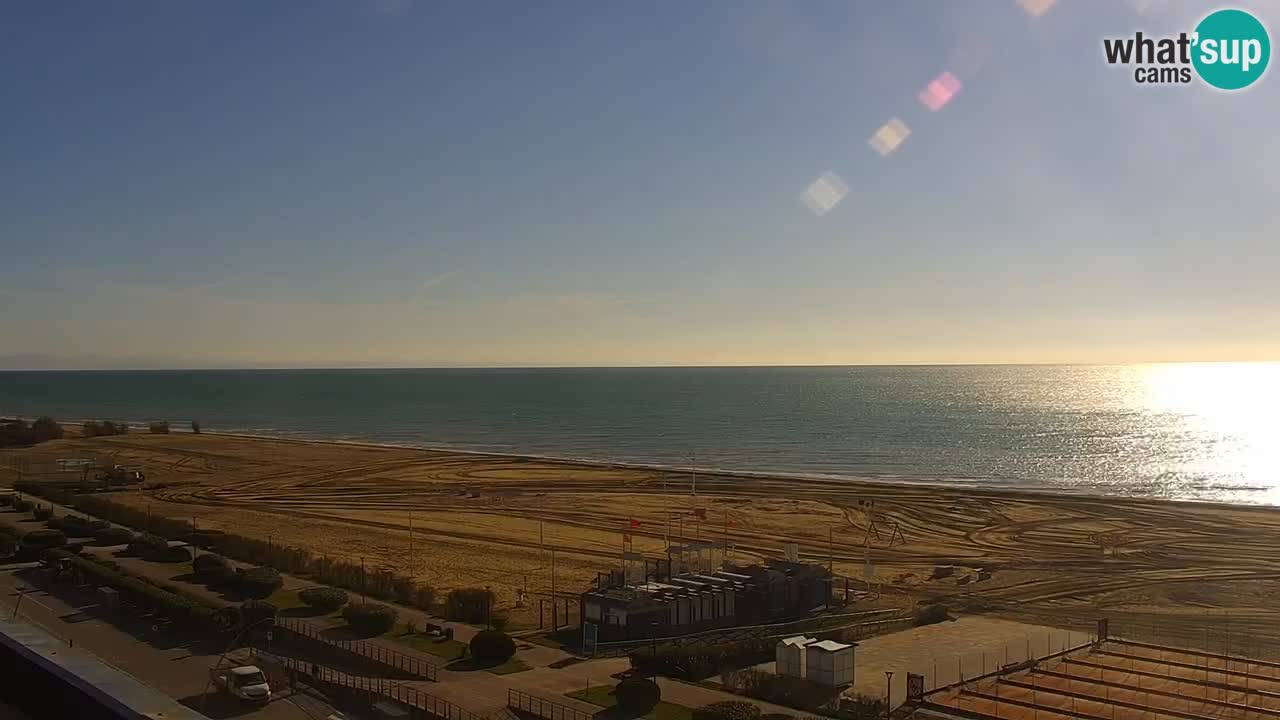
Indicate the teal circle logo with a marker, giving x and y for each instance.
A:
(1231, 50)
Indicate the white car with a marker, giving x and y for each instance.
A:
(246, 682)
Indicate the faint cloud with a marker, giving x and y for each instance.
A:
(421, 288)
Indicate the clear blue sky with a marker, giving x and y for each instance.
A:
(505, 183)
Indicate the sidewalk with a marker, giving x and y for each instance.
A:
(157, 657)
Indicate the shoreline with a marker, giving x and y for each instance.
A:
(970, 486)
(958, 485)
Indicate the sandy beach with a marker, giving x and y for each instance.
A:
(484, 520)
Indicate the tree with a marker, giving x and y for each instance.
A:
(492, 646)
(159, 428)
(46, 428)
(195, 427)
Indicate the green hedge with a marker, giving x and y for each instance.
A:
(323, 598)
(260, 582)
(42, 512)
(492, 646)
(138, 592)
(637, 694)
(370, 618)
(255, 611)
(728, 710)
(22, 505)
(698, 662)
(44, 539)
(380, 584)
(113, 536)
(471, 605)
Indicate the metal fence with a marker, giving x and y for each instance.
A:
(376, 652)
(547, 709)
(411, 697)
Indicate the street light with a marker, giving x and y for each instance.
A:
(888, 693)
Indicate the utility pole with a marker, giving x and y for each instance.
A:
(411, 563)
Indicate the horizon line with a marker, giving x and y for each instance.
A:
(305, 368)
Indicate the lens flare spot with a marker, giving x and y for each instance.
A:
(889, 137)
(1037, 7)
(825, 193)
(938, 93)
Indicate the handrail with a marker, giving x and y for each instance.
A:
(543, 708)
(379, 653)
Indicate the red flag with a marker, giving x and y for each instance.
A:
(626, 537)
(732, 523)
(635, 523)
(701, 513)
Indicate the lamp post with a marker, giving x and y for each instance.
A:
(888, 693)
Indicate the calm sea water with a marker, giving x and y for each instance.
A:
(1183, 431)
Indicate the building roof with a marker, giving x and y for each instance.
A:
(830, 646)
(797, 641)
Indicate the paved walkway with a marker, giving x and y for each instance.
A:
(163, 660)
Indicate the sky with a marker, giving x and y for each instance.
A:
(402, 182)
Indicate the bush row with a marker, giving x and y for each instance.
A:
(699, 662)
(161, 601)
(785, 690)
(379, 584)
(17, 433)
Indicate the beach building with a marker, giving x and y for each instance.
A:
(659, 603)
(790, 655)
(829, 663)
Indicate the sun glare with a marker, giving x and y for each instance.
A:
(1233, 406)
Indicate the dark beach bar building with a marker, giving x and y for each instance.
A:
(666, 604)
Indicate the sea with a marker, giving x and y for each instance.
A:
(1205, 431)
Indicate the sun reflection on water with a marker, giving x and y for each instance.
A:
(1231, 408)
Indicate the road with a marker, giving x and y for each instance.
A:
(154, 656)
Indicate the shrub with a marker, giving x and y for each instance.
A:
(370, 618)
(6, 500)
(323, 598)
(930, 614)
(22, 505)
(698, 662)
(209, 564)
(260, 582)
(44, 539)
(254, 611)
(857, 706)
(424, 597)
(46, 428)
(42, 513)
(106, 427)
(782, 690)
(159, 428)
(195, 428)
(727, 710)
(204, 538)
(113, 536)
(499, 620)
(637, 695)
(492, 646)
(469, 605)
(148, 545)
